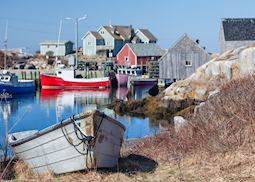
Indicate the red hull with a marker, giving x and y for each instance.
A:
(53, 82)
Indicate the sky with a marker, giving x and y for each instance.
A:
(33, 21)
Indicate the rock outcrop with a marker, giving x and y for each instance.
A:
(210, 76)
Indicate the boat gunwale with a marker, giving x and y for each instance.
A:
(61, 124)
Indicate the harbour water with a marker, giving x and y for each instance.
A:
(47, 107)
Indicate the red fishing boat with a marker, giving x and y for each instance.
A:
(66, 78)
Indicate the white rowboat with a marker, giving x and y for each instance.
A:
(87, 140)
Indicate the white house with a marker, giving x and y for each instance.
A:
(51, 48)
(93, 43)
(144, 36)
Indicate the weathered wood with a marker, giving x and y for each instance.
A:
(58, 149)
(174, 65)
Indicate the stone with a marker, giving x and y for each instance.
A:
(179, 121)
(210, 76)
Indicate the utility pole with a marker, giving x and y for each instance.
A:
(76, 44)
(76, 21)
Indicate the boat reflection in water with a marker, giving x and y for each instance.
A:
(75, 100)
(121, 93)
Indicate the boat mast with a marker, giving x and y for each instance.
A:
(5, 44)
(59, 33)
(5, 111)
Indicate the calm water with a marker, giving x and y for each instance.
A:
(40, 110)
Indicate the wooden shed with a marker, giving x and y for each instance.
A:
(138, 55)
(182, 59)
(236, 32)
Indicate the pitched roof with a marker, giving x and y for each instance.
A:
(96, 35)
(141, 49)
(148, 34)
(237, 29)
(54, 42)
(120, 32)
(185, 38)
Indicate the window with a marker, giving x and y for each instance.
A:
(56, 46)
(102, 32)
(89, 43)
(48, 46)
(188, 63)
(126, 58)
(59, 72)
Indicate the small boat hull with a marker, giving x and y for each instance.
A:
(54, 82)
(122, 79)
(141, 81)
(26, 87)
(60, 148)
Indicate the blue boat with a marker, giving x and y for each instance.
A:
(9, 83)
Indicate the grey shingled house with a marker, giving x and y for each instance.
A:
(236, 32)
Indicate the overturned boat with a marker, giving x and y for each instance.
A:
(85, 141)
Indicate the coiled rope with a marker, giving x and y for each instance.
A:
(87, 141)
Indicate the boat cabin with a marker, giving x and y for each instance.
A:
(6, 78)
(66, 73)
(130, 71)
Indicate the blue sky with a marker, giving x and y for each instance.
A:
(32, 21)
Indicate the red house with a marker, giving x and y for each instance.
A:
(138, 55)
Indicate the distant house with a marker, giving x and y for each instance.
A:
(236, 32)
(138, 55)
(114, 38)
(93, 43)
(144, 36)
(51, 48)
(182, 59)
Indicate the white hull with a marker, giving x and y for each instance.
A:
(49, 150)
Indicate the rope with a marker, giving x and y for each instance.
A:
(87, 141)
